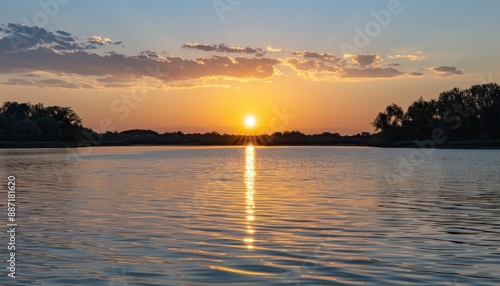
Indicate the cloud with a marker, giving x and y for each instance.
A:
(29, 75)
(25, 50)
(259, 52)
(202, 47)
(35, 56)
(416, 73)
(318, 56)
(116, 85)
(149, 54)
(225, 49)
(46, 83)
(446, 71)
(96, 40)
(418, 56)
(20, 37)
(222, 48)
(326, 66)
(274, 50)
(134, 67)
(364, 59)
(112, 79)
(63, 33)
(311, 65)
(371, 73)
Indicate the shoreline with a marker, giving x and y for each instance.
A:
(479, 145)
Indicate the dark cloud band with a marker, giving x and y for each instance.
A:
(24, 50)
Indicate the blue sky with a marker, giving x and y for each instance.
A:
(316, 24)
(432, 45)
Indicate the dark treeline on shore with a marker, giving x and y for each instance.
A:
(459, 117)
(214, 138)
(28, 125)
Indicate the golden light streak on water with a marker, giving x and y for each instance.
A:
(250, 190)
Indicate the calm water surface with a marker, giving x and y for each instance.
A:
(254, 216)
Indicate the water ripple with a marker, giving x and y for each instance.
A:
(256, 216)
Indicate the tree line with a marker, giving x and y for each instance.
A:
(26, 122)
(459, 114)
(35, 122)
(139, 136)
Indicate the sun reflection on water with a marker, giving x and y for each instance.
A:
(250, 205)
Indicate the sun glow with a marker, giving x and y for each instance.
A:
(250, 121)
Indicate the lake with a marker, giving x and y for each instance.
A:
(254, 216)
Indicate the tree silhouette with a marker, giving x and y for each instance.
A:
(390, 122)
(27, 122)
(470, 114)
(420, 118)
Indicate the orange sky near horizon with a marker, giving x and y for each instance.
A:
(313, 66)
(291, 104)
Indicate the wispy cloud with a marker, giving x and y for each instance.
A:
(416, 73)
(98, 41)
(319, 56)
(274, 50)
(48, 83)
(447, 71)
(222, 48)
(418, 56)
(371, 73)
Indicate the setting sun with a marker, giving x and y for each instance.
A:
(250, 121)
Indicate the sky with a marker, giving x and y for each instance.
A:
(206, 65)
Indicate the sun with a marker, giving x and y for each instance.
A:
(250, 121)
